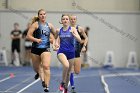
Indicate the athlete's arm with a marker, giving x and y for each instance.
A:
(57, 41)
(85, 41)
(51, 38)
(29, 36)
(52, 29)
(75, 34)
(53, 33)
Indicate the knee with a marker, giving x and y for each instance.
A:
(46, 67)
(66, 66)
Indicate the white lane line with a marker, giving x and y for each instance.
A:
(28, 86)
(5, 79)
(17, 84)
(121, 74)
(105, 84)
(106, 88)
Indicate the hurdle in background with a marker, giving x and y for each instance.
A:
(109, 59)
(3, 57)
(132, 60)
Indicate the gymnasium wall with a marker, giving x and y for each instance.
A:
(118, 32)
(66, 5)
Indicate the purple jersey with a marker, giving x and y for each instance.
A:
(66, 40)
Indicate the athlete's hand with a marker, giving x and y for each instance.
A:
(83, 49)
(72, 32)
(55, 46)
(38, 40)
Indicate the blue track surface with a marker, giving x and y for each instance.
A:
(88, 81)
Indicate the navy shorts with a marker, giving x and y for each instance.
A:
(78, 48)
(77, 54)
(39, 51)
(78, 51)
(69, 55)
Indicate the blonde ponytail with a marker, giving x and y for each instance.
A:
(34, 19)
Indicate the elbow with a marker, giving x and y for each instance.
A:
(27, 37)
(51, 41)
(87, 39)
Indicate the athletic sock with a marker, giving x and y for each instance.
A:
(43, 83)
(72, 80)
(36, 76)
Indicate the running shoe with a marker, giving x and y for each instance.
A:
(73, 90)
(46, 89)
(65, 90)
(61, 86)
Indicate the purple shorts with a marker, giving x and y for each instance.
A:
(69, 55)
